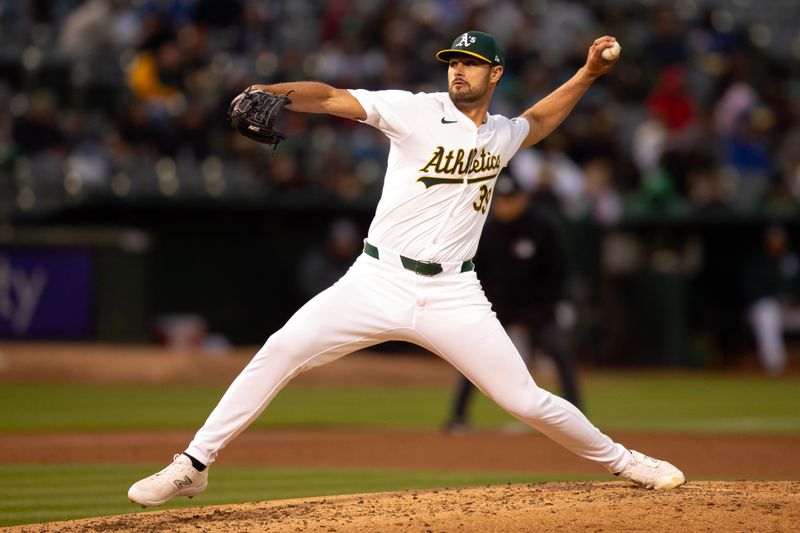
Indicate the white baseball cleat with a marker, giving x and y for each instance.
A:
(652, 473)
(180, 478)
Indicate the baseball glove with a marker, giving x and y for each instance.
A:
(253, 114)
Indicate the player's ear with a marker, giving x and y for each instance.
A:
(494, 75)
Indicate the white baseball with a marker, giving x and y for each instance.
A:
(611, 53)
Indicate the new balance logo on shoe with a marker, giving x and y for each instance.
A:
(185, 482)
(179, 478)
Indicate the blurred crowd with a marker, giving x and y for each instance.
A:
(122, 103)
(118, 100)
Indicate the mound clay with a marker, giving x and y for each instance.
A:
(591, 506)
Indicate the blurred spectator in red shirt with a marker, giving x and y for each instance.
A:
(670, 100)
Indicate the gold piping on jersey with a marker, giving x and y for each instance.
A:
(430, 181)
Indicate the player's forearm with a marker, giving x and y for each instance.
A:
(317, 97)
(548, 113)
(306, 96)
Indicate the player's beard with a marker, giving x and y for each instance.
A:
(468, 94)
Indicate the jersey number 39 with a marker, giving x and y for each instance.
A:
(482, 202)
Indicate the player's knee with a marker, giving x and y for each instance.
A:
(529, 404)
(283, 346)
(298, 353)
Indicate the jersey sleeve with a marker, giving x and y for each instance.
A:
(516, 130)
(389, 111)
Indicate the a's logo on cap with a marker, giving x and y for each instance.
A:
(465, 40)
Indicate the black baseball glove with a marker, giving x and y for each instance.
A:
(253, 114)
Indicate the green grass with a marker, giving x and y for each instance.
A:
(687, 402)
(695, 403)
(43, 493)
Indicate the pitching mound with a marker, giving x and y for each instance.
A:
(592, 506)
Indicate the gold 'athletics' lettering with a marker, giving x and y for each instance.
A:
(460, 162)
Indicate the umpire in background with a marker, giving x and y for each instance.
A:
(523, 267)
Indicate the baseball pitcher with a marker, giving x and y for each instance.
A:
(415, 280)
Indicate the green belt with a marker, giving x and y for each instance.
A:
(423, 268)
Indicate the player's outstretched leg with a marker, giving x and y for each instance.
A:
(344, 318)
(651, 473)
(180, 478)
(471, 338)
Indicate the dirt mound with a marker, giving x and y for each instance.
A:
(590, 506)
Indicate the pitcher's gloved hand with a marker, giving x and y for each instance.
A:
(253, 114)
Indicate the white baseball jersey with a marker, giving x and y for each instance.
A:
(440, 173)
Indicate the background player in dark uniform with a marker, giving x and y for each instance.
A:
(523, 267)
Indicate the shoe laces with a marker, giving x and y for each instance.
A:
(644, 460)
(170, 466)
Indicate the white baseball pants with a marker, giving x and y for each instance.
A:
(376, 301)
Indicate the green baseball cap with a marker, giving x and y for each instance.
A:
(475, 43)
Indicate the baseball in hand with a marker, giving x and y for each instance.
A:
(611, 53)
